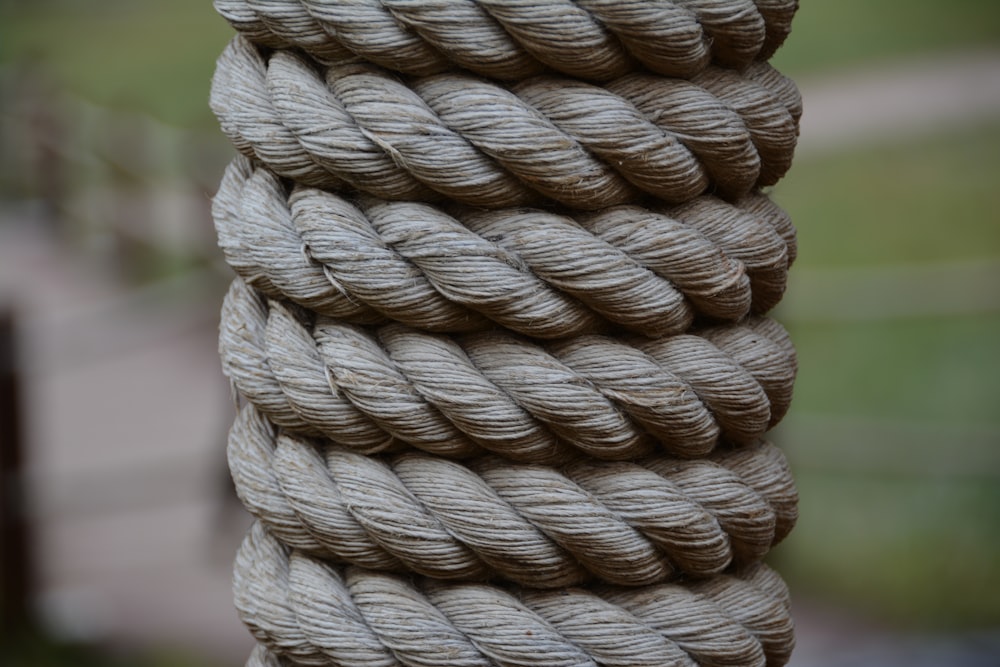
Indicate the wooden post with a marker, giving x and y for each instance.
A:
(16, 575)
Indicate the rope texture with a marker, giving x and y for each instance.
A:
(547, 140)
(538, 526)
(612, 398)
(315, 613)
(499, 329)
(588, 39)
(537, 273)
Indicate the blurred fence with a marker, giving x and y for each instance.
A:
(119, 185)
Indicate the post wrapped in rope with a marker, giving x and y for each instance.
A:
(500, 329)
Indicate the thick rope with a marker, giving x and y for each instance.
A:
(547, 140)
(457, 397)
(587, 39)
(534, 272)
(499, 327)
(314, 613)
(536, 526)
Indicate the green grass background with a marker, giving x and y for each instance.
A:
(913, 539)
(895, 428)
(833, 34)
(154, 56)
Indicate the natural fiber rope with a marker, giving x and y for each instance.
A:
(588, 39)
(536, 526)
(457, 397)
(318, 614)
(499, 328)
(475, 142)
(537, 273)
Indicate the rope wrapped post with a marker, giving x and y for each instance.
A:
(500, 331)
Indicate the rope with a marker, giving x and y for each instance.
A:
(534, 525)
(459, 396)
(318, 614)
(499, 329)
(537, 273)
(588, 39)
(547, 140)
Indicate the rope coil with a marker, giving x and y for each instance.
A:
(317, 614)
(537, 273)
(588, 39)
(457, 397)
(499, 329)
(478, 143)
(537, 526)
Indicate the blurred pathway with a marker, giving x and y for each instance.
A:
(897, 101)
(126, 415)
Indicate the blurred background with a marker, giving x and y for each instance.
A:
(120, 531)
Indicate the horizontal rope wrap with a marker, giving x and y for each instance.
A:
(313, 613)
(548, 139)
(588, 39)
(625, 523)
(456, 397)
(473, 316)
(536, 273)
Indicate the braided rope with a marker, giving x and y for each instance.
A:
(587, 39)
(537, 273)
(492, 391)
(499, 327)
(478, 143)
(316, 614)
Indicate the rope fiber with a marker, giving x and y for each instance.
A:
(548, 140)
(587, 39)
(499, 331)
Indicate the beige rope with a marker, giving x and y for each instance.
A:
(537, 526)
(492, 391)
(537, 273)
(475, 142)
(499, 329)
(317, 614)
(589, 39)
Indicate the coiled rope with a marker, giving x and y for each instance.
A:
(499, 329)
(546, 140)
(315, 613)
(513, 40)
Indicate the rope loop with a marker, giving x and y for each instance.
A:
(315, 613)
(611, 398)
(547, 141)
(537, 526)
(595, 40)
(540, 274)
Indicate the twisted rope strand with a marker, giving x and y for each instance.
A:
(766, 617)
(241, 350)
(588, 39)
(766, 253)
(529, 524)
(480, 144)
(773, 127)
(778, 15)
(434, 392)
(251, 120)
(259, 242)
(626, 523)
(537, 273)
(261, 656)
(314, 613)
